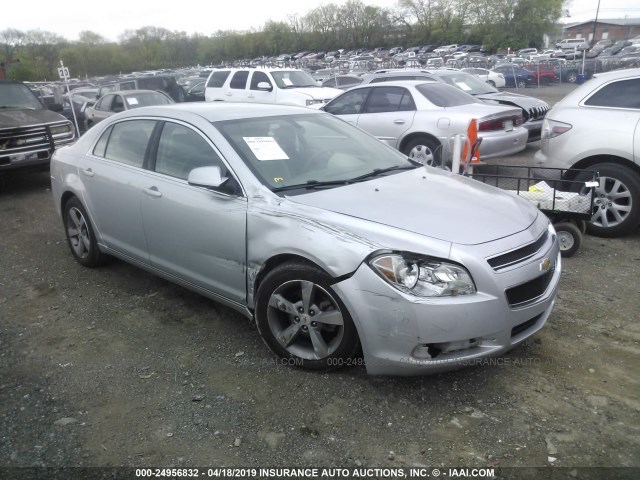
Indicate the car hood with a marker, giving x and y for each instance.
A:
(514, 99)
(26, 118)
(430, 202)
(319, 93)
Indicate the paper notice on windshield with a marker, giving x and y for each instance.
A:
(463, 86)
(132, 101)
(265, 148)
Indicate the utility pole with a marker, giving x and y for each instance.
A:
(593, 34)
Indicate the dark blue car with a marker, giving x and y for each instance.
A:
(514, 75)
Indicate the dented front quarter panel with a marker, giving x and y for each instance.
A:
(337, 243)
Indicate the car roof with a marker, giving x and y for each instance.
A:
(127, 93)
(217, 111)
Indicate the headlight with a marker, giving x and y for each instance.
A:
(423, 276)
(61, 129)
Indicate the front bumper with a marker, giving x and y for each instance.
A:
(406, 335)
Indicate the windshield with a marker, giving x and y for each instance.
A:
(15, 96)
(308, 150)
(293, 79)
(146, 99)
(468, 83)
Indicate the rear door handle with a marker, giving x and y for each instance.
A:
(152, 192)
(88, 172)
(399, 122)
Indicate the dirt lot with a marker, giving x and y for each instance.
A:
(115, 367)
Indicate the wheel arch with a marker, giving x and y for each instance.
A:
(589, 162)
(413, 136)
(274, 262)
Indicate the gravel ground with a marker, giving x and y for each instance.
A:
(115, 367)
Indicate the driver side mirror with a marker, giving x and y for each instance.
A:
(265, 86)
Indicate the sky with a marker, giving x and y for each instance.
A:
(110, 19)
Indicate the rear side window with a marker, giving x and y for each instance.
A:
(388, 99)
(128, 141)
(622, 94)
(239, 80)
(444, 95)
(218, 78)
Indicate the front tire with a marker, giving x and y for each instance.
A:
(616, 208)
(521, 84)
(80, 236)
(424, 150)
(571, 77)
(302, 320)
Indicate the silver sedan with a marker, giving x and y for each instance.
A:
(325, 237)
(117, 102)
(421, 118)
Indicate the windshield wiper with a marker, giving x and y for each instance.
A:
(312, 184)
(381, 171)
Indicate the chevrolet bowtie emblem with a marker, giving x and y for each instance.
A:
(545, 265)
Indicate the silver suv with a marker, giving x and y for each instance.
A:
(597, 127)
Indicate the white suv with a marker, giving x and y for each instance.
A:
(597, 127)
(281, 86)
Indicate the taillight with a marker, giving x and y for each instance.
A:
(502, 123)
(553, 128)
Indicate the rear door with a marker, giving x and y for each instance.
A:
(388, 113)
(237, 91)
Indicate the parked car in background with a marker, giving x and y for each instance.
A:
(196, 92)
(579, 44)
(420, 119)
(162, 83)
(117, 102)
(343, 82)
(533, 109)
(80, 104)
(494, 79)
(246, 204)
(280, 86)
(514, 76)
(597, 127)
(29, 132)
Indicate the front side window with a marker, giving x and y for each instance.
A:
(181, 149)
(127, 141)
(257, 78)
(348, 103)
(104, 105)
(621, 94)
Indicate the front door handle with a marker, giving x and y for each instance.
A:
(88, 172)
(152, 192)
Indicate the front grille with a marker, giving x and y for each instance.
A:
(529, 292)
(537, 113)
(519, 255)
(30, 140)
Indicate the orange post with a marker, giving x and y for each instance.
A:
(471, 150)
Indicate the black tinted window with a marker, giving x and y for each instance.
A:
(622, 94)
(128, 141)
(239, 80)
(218, 78)
(181, 149)
(257, 78)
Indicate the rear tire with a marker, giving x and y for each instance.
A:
(80, 236)
(424, 150)
(521, 84)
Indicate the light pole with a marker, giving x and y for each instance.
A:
(595, 23)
